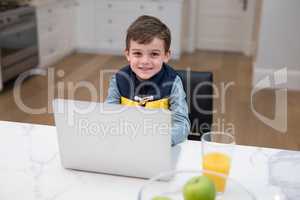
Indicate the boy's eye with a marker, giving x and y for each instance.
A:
(137, 53)
(154, 54)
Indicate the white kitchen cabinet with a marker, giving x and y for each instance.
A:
(85, 25)
(102, 24)
(225, 25)
(68, 23)
(56, 28)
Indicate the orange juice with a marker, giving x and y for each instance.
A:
(220, 163)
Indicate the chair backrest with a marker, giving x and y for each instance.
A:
(199, 89)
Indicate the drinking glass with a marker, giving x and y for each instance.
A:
(217, 151)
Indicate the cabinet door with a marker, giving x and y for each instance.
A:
(112, 21)
(54, 43)
(50, 49)
(113, 17)
(165, 12)
(68, 25)
(85, 24)
(225, 25)
(47, 32)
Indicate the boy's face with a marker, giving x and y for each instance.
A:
(146, 59)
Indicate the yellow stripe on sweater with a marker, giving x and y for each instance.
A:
(161, 103)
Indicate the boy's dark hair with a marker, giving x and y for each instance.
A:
(145, 28)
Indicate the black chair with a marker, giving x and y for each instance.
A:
(199, 90)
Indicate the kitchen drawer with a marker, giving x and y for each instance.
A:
(142, 7)
(116, 6)
(111, 39)
(54, 37)
(46, 61)
(111, 43)
(50, 44)
(50, 54)
(49, 28)
(47, 12)
(152, 8)
(116, 22)
(56, 30)
(53, 13)
(67, 44)
(55, 49)
(108, 20)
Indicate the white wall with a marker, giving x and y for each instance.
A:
(279, 41)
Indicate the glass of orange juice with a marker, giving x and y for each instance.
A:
(217, 151)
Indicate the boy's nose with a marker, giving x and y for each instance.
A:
(145, 59)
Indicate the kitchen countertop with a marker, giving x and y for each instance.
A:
(39, 3)
(30, 168)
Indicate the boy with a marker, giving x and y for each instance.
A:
(147, 80)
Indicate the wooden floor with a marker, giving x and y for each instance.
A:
(233, 113)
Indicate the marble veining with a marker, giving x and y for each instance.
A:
(39, 167)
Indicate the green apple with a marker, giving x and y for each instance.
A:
(199, 188)
(161, 198)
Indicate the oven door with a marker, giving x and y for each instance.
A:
(19, 48)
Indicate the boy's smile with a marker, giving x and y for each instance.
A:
(146, 59)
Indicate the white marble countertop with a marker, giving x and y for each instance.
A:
(30, 168)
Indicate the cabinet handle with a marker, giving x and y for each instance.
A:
(109, 5)
(49, 10)
(50, 29)
(142, 7)
(244, 4)
(110, 41)
(109, 21)
(52, 51)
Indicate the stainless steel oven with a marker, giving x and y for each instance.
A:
(18, 42)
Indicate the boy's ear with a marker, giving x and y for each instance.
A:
(126, 53)
(167, 56)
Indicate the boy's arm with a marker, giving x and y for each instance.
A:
(179, 109)
(113, 92)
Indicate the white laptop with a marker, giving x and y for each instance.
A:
(114, 139)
